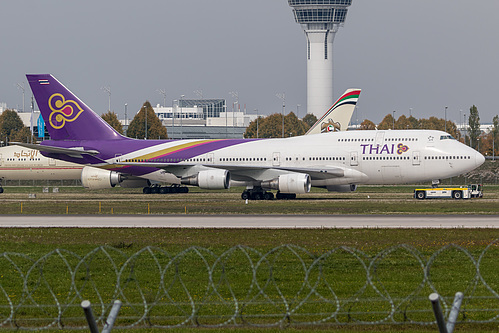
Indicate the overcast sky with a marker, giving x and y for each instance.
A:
(424, 54)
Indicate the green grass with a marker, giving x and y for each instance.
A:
(398, 271)
(366, 200)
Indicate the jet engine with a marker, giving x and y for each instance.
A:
(209, 179)
(342, 188)
(290, 183)
(94, 178)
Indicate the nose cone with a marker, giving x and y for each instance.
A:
(479, 159)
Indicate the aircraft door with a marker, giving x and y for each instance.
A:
(380, 135)
(51, 161)
(276, 159)
(416, 158)
(354, 158)
(211, 158)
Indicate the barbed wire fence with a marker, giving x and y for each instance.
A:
(286, 286)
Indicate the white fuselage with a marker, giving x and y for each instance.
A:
(19, 163)
(363, 157)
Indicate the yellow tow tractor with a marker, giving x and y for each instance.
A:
(462, 192)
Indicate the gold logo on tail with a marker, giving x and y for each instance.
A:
(62, 111)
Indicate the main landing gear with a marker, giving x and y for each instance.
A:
(260, 194)
(257, 194)
(155, 189)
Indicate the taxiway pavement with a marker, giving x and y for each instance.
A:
(251, 221)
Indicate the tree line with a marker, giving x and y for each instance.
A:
(12, 128)
(137, 127)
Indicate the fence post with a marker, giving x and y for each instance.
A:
(437, 310)
(113, 314)
(454, 312)
(90, 316)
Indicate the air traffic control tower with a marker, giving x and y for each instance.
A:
(320, 20)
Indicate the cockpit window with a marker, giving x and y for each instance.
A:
(447, 137)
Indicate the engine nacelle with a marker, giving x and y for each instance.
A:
(209, 179)
(342, 188)
(95, 179)
(290, 183)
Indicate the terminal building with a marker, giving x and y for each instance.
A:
(202, 119)
(186, 119)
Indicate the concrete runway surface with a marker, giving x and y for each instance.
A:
(252, 221)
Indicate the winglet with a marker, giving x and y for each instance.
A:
(338, 116)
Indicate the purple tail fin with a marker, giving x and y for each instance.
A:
(65, 115)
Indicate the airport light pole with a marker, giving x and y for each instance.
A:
(31, 118)
(181, 116)
(460, 118)
(20, 86)
(298, 111)
(445, 125)
(282, 96)
(465, 129)
(108, 91)
(493, 147)
(145, 111)
(173, 115)
(126, 123)
(163, 92)
(234, 94)
(256, 111)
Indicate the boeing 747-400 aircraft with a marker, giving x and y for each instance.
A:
(338, 161)
(20, 163)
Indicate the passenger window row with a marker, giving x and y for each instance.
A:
(242, 159)
(22, 159)
(401, 139)
(447, 157)
(355, 140)
(330, 158)
(377, 158)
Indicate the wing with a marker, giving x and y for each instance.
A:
(73, 152)
(244, 173)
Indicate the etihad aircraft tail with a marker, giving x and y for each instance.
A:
(339, 115)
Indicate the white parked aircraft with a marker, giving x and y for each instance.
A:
(338, 161)
(20, 163)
